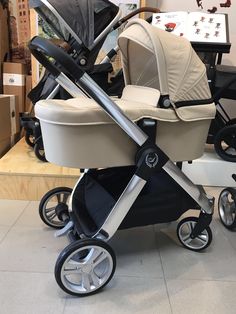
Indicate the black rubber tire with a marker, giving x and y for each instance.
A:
(39, 149)
(45, 199)
(228, 135)
(232, 192)
(29, 138)
(195, 219)
(69, 250)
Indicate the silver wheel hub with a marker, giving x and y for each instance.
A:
(196, 243)
(86, 269)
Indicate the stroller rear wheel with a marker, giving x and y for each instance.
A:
(85, 266)
(184, 230)
(29, 138)
(53, 207)
(227, 208)
(39, 149)
(225, 143)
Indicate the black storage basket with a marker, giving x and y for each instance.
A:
(161, 200)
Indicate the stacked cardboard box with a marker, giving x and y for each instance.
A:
(4, 38)
(14, 82)
(9, 122)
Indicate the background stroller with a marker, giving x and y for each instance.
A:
(82, 28)
(127, 193)
(222, 132)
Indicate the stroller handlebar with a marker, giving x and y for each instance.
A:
(42, 48)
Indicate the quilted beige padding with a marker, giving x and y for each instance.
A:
(155, 58)
(136, 102)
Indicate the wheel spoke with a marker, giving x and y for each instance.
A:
(187, 240)
(95, 279)
(58, 196)
(100, 259)
(224, 199)
(202, 238)
(93, 255)
(52, 216)
(192, 224)
(229, 218)
(48, 210)
(189, 226)
(186, 237)
(65, 198)
(71, 271)
(86, 282)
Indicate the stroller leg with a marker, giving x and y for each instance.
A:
(121, 208)
(196, 192)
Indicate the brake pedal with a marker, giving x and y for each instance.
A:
(64, 230)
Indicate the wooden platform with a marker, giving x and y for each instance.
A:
(24, 177)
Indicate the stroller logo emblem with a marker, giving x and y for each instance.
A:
(152, 160)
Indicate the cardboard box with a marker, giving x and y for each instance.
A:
(4, 40)
(1, 79)
(9, 116)
(4, 33)
(5, 145)
(14, 75)
(9, 122)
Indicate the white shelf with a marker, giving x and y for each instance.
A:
(211, 170)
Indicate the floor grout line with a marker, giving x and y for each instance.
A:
(65, 302)
(14, 223)
(128, 276)
(25, 272)
(167, 291)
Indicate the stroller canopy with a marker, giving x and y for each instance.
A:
(84, 20)
(155, 58)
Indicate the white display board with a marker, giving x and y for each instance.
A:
(219, 6)
(195, 26)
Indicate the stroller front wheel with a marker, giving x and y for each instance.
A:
(227, 208)
(85, 266)
(184, 230)
(53, 206)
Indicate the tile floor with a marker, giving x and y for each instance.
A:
(154, 273)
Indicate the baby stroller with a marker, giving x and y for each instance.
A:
(222, 132)
(131, 181)
(69, 21)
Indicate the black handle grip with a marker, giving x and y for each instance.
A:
(42, 48)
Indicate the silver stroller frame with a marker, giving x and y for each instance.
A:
(149, 158)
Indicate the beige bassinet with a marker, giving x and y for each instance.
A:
(79, 133)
